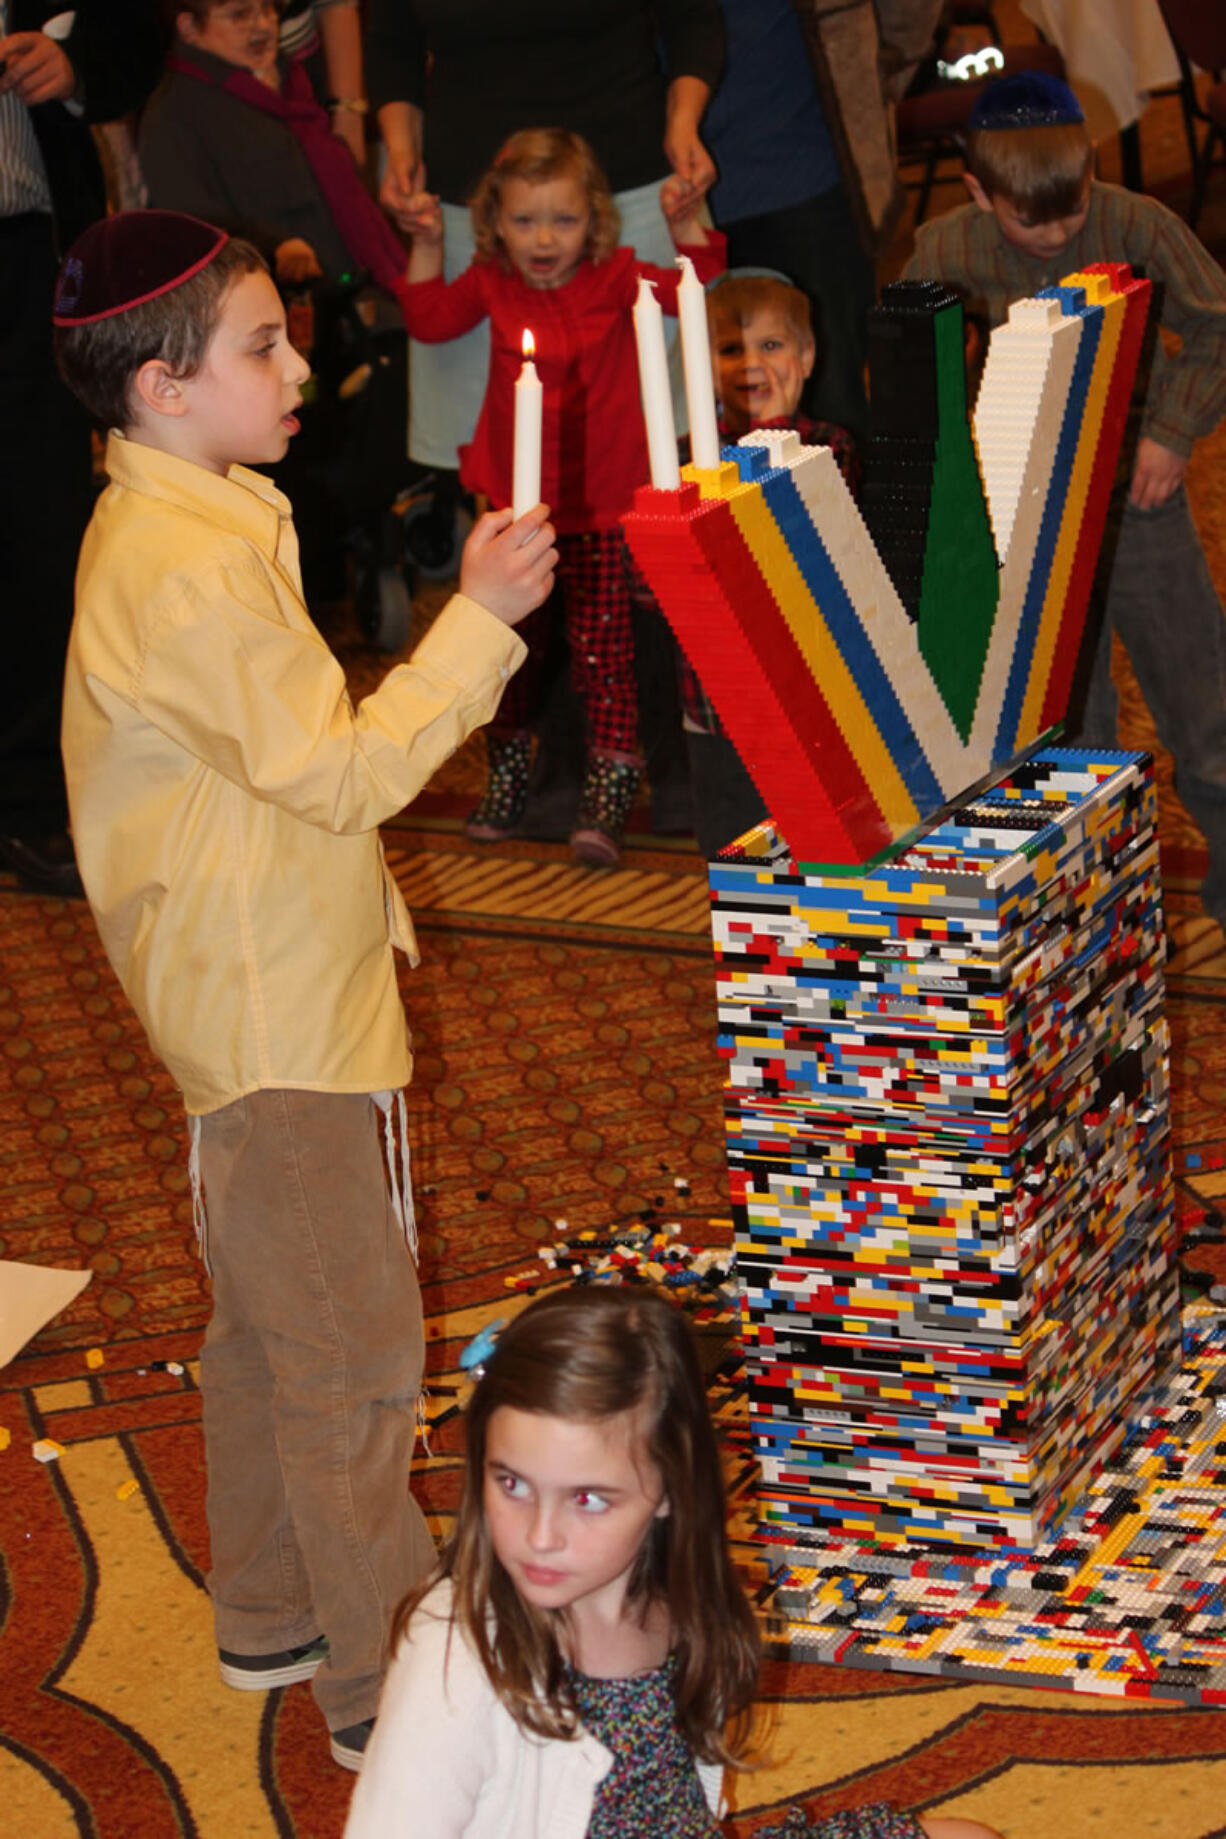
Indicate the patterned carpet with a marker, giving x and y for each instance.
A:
(564, 1025)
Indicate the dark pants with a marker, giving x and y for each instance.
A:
(727, 803)
(1154, 588)
(45, 502)
(817, 245)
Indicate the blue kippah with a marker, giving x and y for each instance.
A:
(1028, 99)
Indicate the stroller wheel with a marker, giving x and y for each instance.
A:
(383, 601)
(433, 544)
(384, 606)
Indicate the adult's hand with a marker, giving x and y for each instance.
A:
(683, 148)
(347, 125)
(1156, 473)
(404, 177)
(36, 68)
(340, 28)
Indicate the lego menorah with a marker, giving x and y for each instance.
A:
(939, 964)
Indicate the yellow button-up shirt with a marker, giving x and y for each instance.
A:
(225, 792)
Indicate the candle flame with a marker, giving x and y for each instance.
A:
(529, 344)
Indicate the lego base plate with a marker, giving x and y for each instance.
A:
(1128, 1599)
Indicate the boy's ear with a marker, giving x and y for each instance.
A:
(187, 29)
(156, 388)
(977, 193)
(808, 357)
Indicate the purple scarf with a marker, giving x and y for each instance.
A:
(369, 237)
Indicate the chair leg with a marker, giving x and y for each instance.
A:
(926, 184)
(1200, 175)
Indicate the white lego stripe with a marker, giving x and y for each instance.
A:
(893, 636)
(1022, 405)
(1017, 349)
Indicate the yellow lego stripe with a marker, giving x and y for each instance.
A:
(1099, 292)
(803, 618)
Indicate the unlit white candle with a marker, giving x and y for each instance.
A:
(696, 356)
(654, 385)
(526, 463)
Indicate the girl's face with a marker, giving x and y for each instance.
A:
(569, 1503)
(543, 226)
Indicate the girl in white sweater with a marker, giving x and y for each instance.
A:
(583, 1665)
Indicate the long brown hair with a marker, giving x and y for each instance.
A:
(539, 155)
(591, 1354)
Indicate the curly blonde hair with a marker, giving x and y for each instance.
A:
(539, 155)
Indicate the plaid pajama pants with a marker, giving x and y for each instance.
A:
(594, 589)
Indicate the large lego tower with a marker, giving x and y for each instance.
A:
(939, 965)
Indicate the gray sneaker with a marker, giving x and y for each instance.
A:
(261, 1672)
(349, 1745)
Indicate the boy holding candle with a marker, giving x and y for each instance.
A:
(225, 797)
(546, 232)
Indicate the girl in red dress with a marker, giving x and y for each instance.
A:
(548, 261)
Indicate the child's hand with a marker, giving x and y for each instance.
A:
(421, 218)
(680, 201)
(295, 260)
(507, 566)
(1158, 473)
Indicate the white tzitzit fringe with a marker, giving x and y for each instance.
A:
(200, 1218)
(400, 1181)
(401, 1185)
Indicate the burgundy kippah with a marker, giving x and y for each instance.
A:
(1027, 99)
(124, 260)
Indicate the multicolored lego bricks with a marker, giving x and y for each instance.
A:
(948, 1143)
(857, 721)
(1127, 1600)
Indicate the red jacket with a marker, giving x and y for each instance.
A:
(593, 443)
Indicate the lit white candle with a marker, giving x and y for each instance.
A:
(526, 465)
(696, 356)
(654, 385)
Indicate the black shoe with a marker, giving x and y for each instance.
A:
(43, 864)
(261, 1672)
(348, 1746)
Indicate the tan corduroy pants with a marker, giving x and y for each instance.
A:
(310, 1375)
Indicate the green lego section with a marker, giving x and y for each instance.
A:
(961, 577)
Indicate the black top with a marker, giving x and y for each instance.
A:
(115, 48)
(593, 66)
(213, 155)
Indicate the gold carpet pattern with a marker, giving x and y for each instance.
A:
(564, 1025)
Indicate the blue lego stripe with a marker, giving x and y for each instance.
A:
(820, 576)
(1073, 301)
